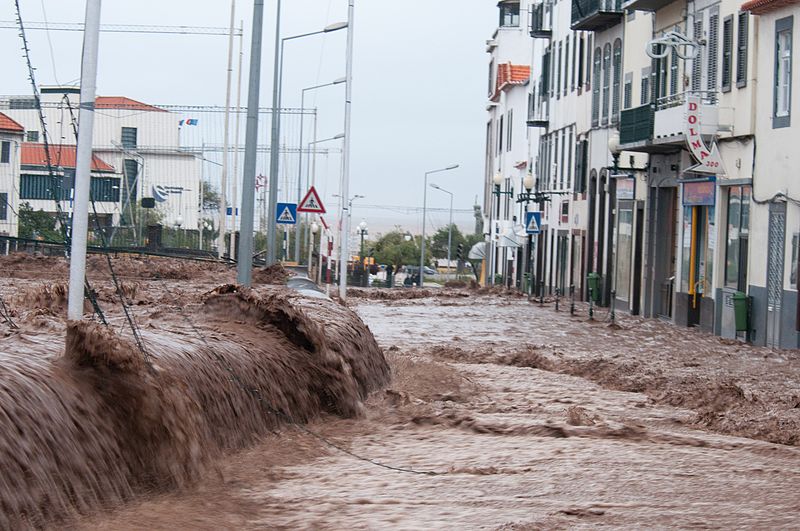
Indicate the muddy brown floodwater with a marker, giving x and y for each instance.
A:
(526, 418)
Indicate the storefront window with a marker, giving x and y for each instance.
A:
(737, 236)
(623, 249)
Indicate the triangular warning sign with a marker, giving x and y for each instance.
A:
(532, 225)
(286, 216)
(311, 203)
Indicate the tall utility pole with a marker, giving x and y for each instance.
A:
(83, 165)
(274, 155)
(344, 252)
(245, 263)
(223, 204)
(235, 192)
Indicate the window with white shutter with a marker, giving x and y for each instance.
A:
(645, 95)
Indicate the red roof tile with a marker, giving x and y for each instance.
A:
(509, 74)
(7, 124)
(759, 7)
(121, 102)
(64, 156)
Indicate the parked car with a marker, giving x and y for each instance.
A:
(413, 270)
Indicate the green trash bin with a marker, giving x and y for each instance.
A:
(740, 310)
(593, 282)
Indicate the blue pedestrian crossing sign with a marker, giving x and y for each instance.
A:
(286, 213)
(533, 222)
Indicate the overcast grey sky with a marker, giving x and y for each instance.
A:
(418, 93)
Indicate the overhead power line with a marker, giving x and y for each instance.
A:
(124, 28)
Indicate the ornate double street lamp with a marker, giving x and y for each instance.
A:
(498, 181)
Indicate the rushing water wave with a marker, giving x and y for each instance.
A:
(89, 423)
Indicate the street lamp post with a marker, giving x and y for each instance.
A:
(613, 147)
(424, 216)
(450, 226)
(314, 229)
(362, 231)
(274, 165)
(300, 162)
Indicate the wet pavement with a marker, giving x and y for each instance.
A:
(507, 415)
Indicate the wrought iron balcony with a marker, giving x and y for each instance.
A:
(660, 127)
(596, 15)
(540, 21)
(539, 117)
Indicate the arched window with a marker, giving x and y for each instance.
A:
(606, 80)
(617, 80)
(596, 88)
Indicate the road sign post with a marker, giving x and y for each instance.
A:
(533, 222)
(286, 214)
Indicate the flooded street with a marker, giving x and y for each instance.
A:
(506, 415)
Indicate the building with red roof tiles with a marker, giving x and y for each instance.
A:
(135, 143)
(63, 156)
(7, 125)
(11, 134)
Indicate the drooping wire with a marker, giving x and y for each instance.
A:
(137, 335)
(259, 397)
(55, 185)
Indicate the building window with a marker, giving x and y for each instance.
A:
(5, 152)
(3, 206)
(573, 63)
(713, 51)
(580, 63)
(509, 14)
(22, 103)
(128, 137)
(617, 80)
(32, 136)
(645, 96)
(510, 125)
(727, 52)
(43, 187)
(673, 73)
(562, 168)
(697, 62)
(783, 72)
(627, 91)
(596, 89)
(566, 65)
(559, 57)
(131, 178)
(606, 80)
(568, 167)
(491, 78)
(545, 90)
(736, 245)
(741, 50)
(555, 161)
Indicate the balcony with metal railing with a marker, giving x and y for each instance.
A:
(539, 116)
(660, 126)
(540, 21)
(596, 15)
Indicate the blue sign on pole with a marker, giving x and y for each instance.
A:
(286, 213)
(533, 222)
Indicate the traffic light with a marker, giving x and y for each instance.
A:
(460, 251)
